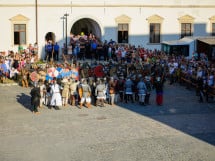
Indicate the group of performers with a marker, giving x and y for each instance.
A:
(100, 88)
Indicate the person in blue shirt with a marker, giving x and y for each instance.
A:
(50, 51)
(56, 51)
(93, 49)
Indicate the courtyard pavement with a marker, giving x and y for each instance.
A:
(181, 130)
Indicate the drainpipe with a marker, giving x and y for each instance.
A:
(36, 17)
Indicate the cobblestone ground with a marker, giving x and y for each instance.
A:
(180, 130)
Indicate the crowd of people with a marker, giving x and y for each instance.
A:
(126, 73)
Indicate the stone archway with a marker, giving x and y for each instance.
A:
(86, 26)
(50, 36)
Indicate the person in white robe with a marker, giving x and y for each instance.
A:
(56, 99)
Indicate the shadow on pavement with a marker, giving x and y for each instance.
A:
(25, 101)
(182, 111)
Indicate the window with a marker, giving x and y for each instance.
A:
(186, 29)
(186, 23)
(19, 34)
(154, 33)
(122, 33)
(213, 29)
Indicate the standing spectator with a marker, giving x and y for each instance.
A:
(56, 51)
(20, 49)
(93, 49)
(50, 51)
(30, 49)
(76, 50)
(171, 72)
(69, 49)
(36, 48)
(105, 50)
(110, 52)
(200, 87)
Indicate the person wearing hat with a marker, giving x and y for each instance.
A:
(86, 93)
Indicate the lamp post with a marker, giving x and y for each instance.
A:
(36, 17)
(65, 15)
(63, 18)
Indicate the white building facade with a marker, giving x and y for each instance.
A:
(138, 22)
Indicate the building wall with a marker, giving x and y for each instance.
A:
(105, 14)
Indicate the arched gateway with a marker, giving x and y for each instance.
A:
(86, 26)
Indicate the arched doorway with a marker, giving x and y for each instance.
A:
(50, 36)
(86, 26)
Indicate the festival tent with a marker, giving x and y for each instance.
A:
(207, 45)
(185, 46)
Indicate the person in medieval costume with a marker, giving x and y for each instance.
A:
(128, 90)
(42, 87)
(112, 90)
(141, 91)
(148, 84)
(24, 74)
(56, 99)
(85, 94)
(158, 85)
(65, 91)
(74, 92)
(100, 93)
(92, 85)
(120, 87)
(35, 98)
(48, 93)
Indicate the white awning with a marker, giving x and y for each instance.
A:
(183, 41)
(210, 41)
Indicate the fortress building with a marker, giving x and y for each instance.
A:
(147, 23)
